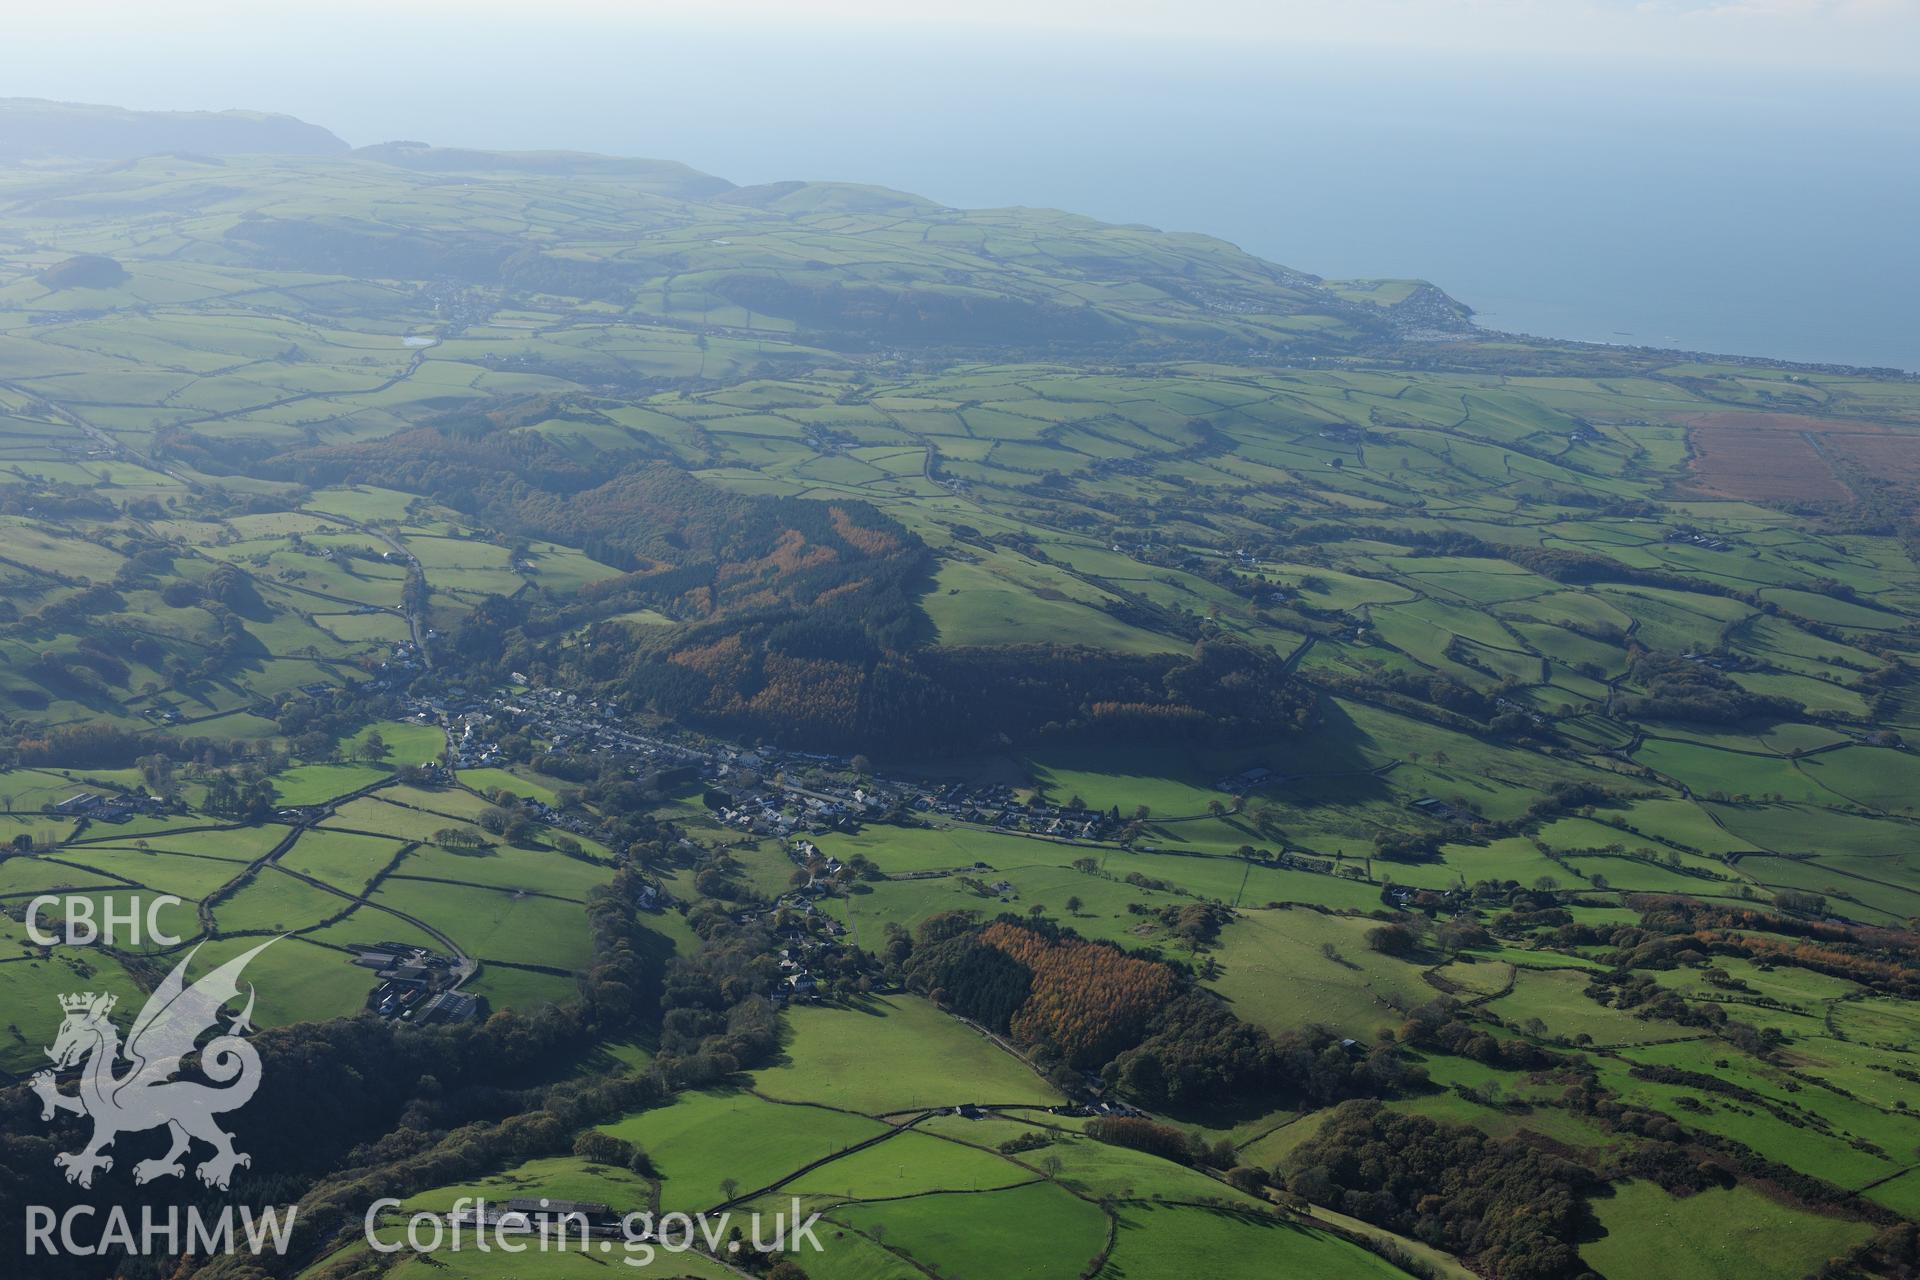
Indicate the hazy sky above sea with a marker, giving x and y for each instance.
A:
(1834, 33)
(1732, 175)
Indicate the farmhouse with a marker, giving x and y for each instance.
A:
(415, 984)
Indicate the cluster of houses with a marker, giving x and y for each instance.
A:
(804, 945)
(400, 667)
(755, 789)
(805, 854)
(807, 936)
(799, 980)
(470, 747)
(998, 806)
(782, 810)
(566, 820)
(416, 985)
(573, 723)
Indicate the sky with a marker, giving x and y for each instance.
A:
(527, 72)
(1876, 35)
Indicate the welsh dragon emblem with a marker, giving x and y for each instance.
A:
(129, 1089)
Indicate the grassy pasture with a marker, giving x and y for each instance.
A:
(895, 1054)
(1711, 771)
(171, 919)
(345, 861)
(1104, 899)
(406, 742)
(505, 867)
(1556, 999)
(703, 1138)
(30, 988)
(186, 875)
(1712, 1233)
(368, 925)
(990, 1233)
(191, 835)
(318, 783)
(896, 850)
(556, 1263)
(35, 875)
(1130, 778)
(972, 604)
(1277, 972)
(294, 980)
(911, 1164)
(554, 1177)
(508, 988)
(1098, 1170)
(1814, 1152)
(485, 780)
(380, 813)
(1160, 1242)
(495, 924)
(274, 902)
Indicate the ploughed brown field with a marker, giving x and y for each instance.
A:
(1893, 455)
(1753, 420)
(1740, 454)
(1739, 462)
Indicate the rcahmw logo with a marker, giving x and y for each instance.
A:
(131, 1088)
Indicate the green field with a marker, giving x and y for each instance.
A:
(896, 1054)
(988, 1233)
(1713, 1233)
(706, 1138)
(1277, 973)
(1159, 1242)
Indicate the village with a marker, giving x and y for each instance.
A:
(762, 790)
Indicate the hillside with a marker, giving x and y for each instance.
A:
(852, 268)
(35, 129)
